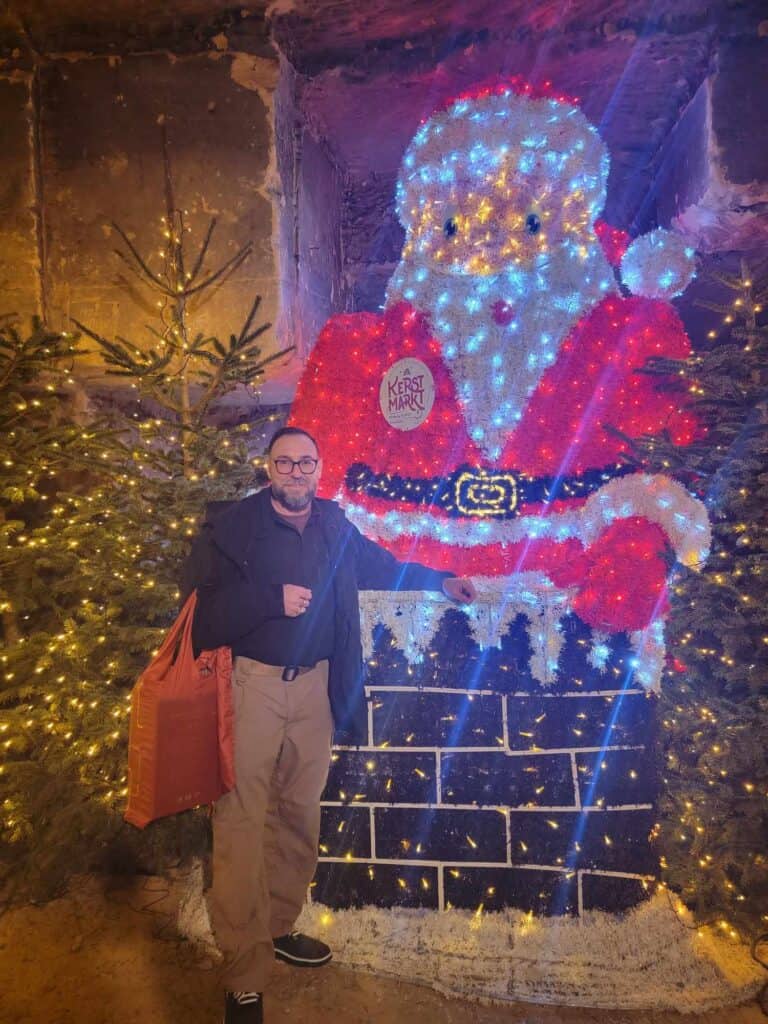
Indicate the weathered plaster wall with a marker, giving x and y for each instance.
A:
(312, 200)
(19, 283)
(97, 120)
(102, 162)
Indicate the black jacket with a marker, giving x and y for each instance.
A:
(231, 596)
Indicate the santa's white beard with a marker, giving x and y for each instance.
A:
(495, 367)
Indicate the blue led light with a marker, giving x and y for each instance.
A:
(600, 653)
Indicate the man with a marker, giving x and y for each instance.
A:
(279, 578)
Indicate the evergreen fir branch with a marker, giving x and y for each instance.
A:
(244, 330)
(223, 273)
(209, 357)
(257, 334)
(715, 307)
(154, 280)
(203, 251)
(731, 281)
(139, 263)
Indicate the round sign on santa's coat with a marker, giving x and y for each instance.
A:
(407, 394)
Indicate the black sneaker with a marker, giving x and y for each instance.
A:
(243, 1008)
(301, 950)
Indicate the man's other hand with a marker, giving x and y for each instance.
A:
(295, 599)
(459, 589)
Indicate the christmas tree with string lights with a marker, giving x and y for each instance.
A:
(46, 454)
(714, 806)
(36, 444)
(108, 556)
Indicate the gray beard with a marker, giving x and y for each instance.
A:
(296, 502)
(548, 299)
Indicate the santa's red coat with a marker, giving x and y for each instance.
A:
(573, 422)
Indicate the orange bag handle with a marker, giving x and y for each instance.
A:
(181, 629)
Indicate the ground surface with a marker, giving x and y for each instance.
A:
(113, 957)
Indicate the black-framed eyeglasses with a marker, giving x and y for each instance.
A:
(306, 464)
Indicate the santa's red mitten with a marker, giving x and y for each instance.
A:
(625, 585)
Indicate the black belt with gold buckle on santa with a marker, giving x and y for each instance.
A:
(476, 492)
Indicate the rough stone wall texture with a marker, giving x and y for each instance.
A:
(19, 283)
(96, 122)
(102, 162)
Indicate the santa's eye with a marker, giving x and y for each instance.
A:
(532, 224)
(450, 227)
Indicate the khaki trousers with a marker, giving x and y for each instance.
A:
(266, 830)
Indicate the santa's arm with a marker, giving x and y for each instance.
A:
(631, 529)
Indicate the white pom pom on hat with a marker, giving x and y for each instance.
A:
(659, 265)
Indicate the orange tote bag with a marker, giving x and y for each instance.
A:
(180, 749)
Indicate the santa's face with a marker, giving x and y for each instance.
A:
(510, 220)
(499, 197)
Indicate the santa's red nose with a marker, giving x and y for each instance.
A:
(503, 312)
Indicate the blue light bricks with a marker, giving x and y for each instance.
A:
(479, 785)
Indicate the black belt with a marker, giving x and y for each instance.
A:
(476, 492)
(286, 672)
(290, 672)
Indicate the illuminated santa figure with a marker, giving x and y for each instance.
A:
(480, 421)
